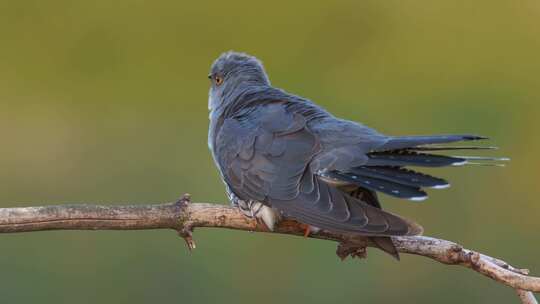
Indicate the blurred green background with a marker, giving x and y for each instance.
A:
(106, 102)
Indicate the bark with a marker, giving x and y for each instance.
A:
(183, 216)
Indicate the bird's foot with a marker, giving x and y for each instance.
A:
(306, 230)
(352, 249)
(261, 213)
(309, 229)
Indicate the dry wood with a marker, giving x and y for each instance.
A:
(183, 216)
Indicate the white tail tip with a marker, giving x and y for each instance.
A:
(418, 198)
(441, 186)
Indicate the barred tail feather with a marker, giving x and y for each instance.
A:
(401, 176)
(403, 158)
(380, 185)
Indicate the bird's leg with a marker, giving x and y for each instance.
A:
(261, 213)
(245, 207)
(255, 210)
(307, 229)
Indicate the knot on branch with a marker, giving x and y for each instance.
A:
(354, 250)
(183, 216)
(185, 224)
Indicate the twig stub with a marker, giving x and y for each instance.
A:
(183, 216)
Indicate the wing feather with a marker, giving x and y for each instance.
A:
(268, 158)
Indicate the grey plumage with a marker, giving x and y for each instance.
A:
(288, 153)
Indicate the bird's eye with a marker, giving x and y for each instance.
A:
(218, 80)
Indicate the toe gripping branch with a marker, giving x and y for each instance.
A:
(186, 228)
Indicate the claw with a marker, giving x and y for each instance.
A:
(307, 230)
(261, 222)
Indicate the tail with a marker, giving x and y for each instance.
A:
(385, 170)
(403, 142)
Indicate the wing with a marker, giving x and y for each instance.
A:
(265, 154)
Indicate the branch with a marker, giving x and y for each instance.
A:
(184, 216)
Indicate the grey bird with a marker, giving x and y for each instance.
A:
(282, 155)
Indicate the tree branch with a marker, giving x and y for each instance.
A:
(184, 216)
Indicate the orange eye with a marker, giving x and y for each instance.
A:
(218, 79)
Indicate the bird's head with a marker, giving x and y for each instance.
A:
(232, 72)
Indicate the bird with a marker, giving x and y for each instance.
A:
(281, 155)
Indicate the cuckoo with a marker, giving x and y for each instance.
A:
(280, 154)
